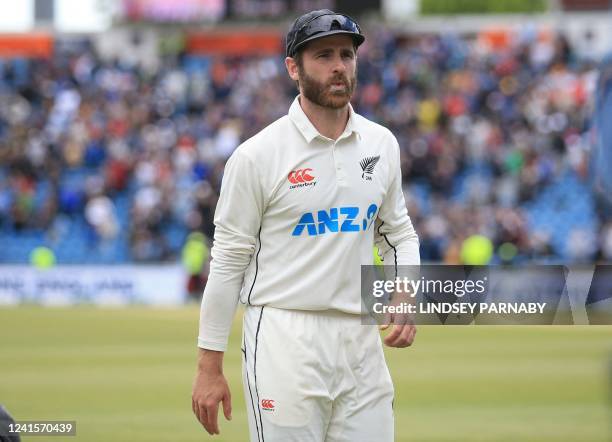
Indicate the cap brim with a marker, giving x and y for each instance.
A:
(357, 38)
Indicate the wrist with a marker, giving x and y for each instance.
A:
(210, 361)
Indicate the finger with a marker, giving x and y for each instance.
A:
(412, 334)
(406, 337)
(401, 338)
(212, 412)
(194, 407)
(391, 337)
(227, 406)
(202, 417)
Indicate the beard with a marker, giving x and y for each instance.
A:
(322, 94)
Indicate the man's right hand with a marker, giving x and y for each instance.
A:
(210, 388)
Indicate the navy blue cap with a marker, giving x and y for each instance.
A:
(318, 24)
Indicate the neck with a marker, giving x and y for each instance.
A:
(329, 122)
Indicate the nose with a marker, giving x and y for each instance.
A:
(339, 66)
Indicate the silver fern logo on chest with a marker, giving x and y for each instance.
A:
(367, 167)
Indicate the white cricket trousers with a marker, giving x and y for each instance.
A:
(314, 377)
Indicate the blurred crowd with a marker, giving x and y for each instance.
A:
(485, 123)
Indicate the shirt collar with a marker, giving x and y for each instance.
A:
(307, 129)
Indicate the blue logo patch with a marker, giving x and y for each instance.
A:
(334, 220)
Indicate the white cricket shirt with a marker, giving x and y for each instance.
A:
(297, 217)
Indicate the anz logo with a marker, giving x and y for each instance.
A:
(334, 220)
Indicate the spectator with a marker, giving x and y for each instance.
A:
(488, 128)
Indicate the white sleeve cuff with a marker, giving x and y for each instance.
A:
(209, 345)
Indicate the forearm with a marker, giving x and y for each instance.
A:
(405, 252)
(218, 309)
(238, 218)
(231, 254)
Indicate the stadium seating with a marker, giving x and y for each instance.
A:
(105, 163)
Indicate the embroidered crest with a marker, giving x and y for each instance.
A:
(367, 167)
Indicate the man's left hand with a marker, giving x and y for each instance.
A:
(402, 335)
(403, 329)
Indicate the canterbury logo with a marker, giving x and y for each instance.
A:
(300, 176)
(267, 404)
(367, 165)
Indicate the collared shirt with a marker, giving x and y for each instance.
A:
(303, 124)
(297, 217)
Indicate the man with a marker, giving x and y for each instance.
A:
(301, 204)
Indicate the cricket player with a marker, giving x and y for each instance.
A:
(301, 204)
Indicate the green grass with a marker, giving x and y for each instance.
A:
(435, 7)
(125, 375)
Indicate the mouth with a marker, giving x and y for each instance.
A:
(338, 86)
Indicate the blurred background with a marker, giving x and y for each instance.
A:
(117, 117)
(116, 120)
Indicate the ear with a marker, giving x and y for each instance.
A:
(292, 68)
